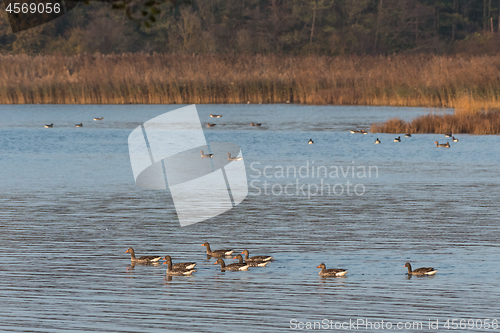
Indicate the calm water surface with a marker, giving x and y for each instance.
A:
(69, 208)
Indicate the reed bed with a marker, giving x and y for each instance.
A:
(468, 83)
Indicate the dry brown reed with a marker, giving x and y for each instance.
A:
(466, 83)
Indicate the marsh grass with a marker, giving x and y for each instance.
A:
(466, 83)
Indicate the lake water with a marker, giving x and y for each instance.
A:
(69, 209)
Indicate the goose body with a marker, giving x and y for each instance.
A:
(255, 258)
(184, 265)
(330, 272)
(251, 263)
(421, 271)
(143, 259)
(215, 116)
(231, 267)
(255, 124)
(49, 126)
(96, 119)
(229, 158)
(206, 155)
(79, 125)
(172, 270)
(359, 132)
(217, 253)
(377, 142)
(311, 142)
(211, 125)
(454, 139)
(443, 145)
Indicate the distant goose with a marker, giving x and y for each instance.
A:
(185, 265)
(79, 125)
(443, 145)
(255, 258)
(96, 119)
(229, 158)
(420, 271)
(255, 124)
(206, 155)
(407, 135)
(231, 267)
(359, 132)
(49, 126)
(217, 253)
(252, 263)
(143, 259)
(455, 139)
(331, 272)
(398, 139)
(211, 125)
(377, 141)
(172, 270)
(215, 116)
(448, 135)
(311, 142)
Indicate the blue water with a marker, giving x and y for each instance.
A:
(69, 208)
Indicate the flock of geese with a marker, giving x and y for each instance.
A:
(407, 135)
(209, 125)
(188, 268)
(76, 125)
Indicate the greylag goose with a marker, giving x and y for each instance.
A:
(255, 124)
(96, 119)
(215, 116)
(172, 270)
(79, 125)
(331, 271)
(211, 125)
(217, 253)
(251, 263)
(143, 259)
(231, 267)
(454, 139)
(206, 155)
(398, 139)
(448, 135)
(420, 271)
(359, 132)
(311, 142)
(229, 158)
(49, 126)
(377, 141)
(184, 265)
(407, 135)
(255, 258)
(443, 145)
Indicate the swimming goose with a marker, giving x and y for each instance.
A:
(229, 158)
(398, 139)
(217, 253)
(49, 126)
(96, 119)
(360, 131)
(420, 271)
(215, 116)
(331, 271)
(143, 259)
(79, 125)
(255, 124)
(444, 145)
(255, 258)
(172, 270)
(311, 142)
(448, 135)
(454, 139)
(211, 125)
(185, 265)
(252, 263)
(231, 267)
(377, 142)
(206, 155)
(407, 135)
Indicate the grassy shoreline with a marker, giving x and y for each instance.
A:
(467, 83)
